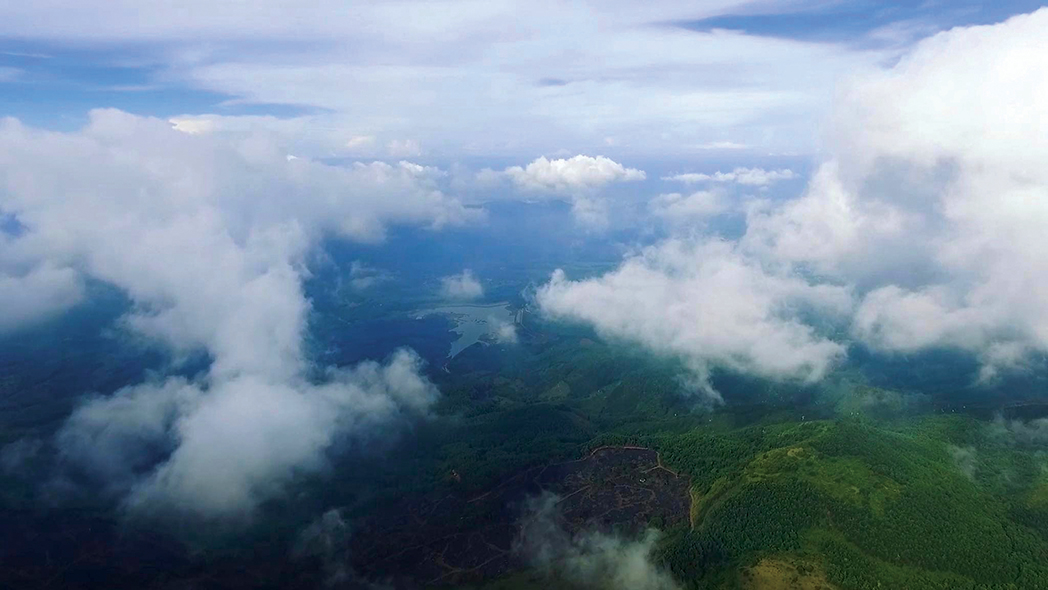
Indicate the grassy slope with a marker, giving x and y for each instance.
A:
(870, 506)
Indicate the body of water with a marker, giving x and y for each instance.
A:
(473, 321)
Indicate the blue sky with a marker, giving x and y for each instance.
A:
(853, 22)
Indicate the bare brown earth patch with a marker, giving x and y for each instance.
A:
(460, 539)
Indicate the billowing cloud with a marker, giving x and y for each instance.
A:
(937, 207)
(577, 180)
(708, 304)
(743, 176)
(268, 432)
(43, 291)
(207, 234)
(930, 210)
(591, 559)
(505, 332)
(689, 209)
(580, 173)
(461, 286)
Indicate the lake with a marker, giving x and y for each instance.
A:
(472, 321)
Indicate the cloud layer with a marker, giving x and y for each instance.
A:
(924, 226)
(536, 78)
(207, 234)
(935, 198)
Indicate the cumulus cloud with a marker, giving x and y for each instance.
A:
(689, 209)
(505, 332)
(710, 305)
(929, 210)
(461, 286)
(207, 234)
(577, 180)
(41, 292)
(228, 445)
(572, 174)
(115, 438)
(743, 176)
(269, 432)
(592, 559)
(935, 199)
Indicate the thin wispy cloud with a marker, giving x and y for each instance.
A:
(601, 71)
(743, 176)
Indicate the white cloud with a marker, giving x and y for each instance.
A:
(193, 125)
(577, 180)
(691, 209)
(207, 234)
(722, 146)
(403, 148)
(935, 198)
(930, 208)
(461, 286)
(590, 211)
(41, 292)
(580, 173)
(463, 76)
(590, 559)
(708, 304)
(360, 141)
(234, 442)
(114, 438)
(743, 176)
(505, 332)
(268, 432)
